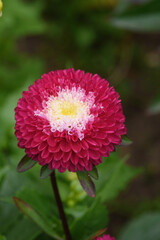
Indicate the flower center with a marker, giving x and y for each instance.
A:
(64, 107)
(69, 110)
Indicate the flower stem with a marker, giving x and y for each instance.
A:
(60, 207)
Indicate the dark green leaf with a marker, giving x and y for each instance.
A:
(23, 229)
(25, 164)
(45, 172)
(145, 18)
(126, 141)
(115, 175)
(87, 183)
(8, 216)
(94, 173)
(3, 171)
(146, 227)
(27, 210)
(91, 222)
(36, 198)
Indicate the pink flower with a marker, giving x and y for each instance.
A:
(105, 237)
(69, 119)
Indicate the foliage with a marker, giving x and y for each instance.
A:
(146, 227)
(19, 20)
(20, 185)
(115, 175)
(145, 18)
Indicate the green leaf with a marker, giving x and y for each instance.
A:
(36, 198)
(144, 18)
(86, 183)
(45, 172)
(26, 14)
(27, 210)
(146, 227)
(23, 229)
(126, 141)
(9, 215)
(92, 221)
(2, 237)
(3, 171)
(94, 173)
(114, 176)
(25, 164)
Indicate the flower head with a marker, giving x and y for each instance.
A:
(105, 237)
(69, 119)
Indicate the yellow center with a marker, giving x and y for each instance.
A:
(69, 109)
(60, 108)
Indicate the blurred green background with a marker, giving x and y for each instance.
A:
(119, 40)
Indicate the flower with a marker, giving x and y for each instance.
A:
(105, 237)
(69, 119)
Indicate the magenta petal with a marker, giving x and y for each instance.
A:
(35, 144)
(51, 141)
(45, 153)
(80, 168)
(42, 146)
(56, 164)
(76, 146)
(67, 156)
(58, 155)
(54, 149)
(82, 153)
(84, 144)
(65, 147)
(34, 151)
(72, 168)
(89, 166)
(82, 162)
(74, 159)
(94, 154)
(91, 141)
(61, 169)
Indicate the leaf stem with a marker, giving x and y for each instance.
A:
(60, 207)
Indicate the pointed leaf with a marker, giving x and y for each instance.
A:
(45, 172)
(25, 164)
(27, 210)
(86, 183)
(94, 173)
(126, 141)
